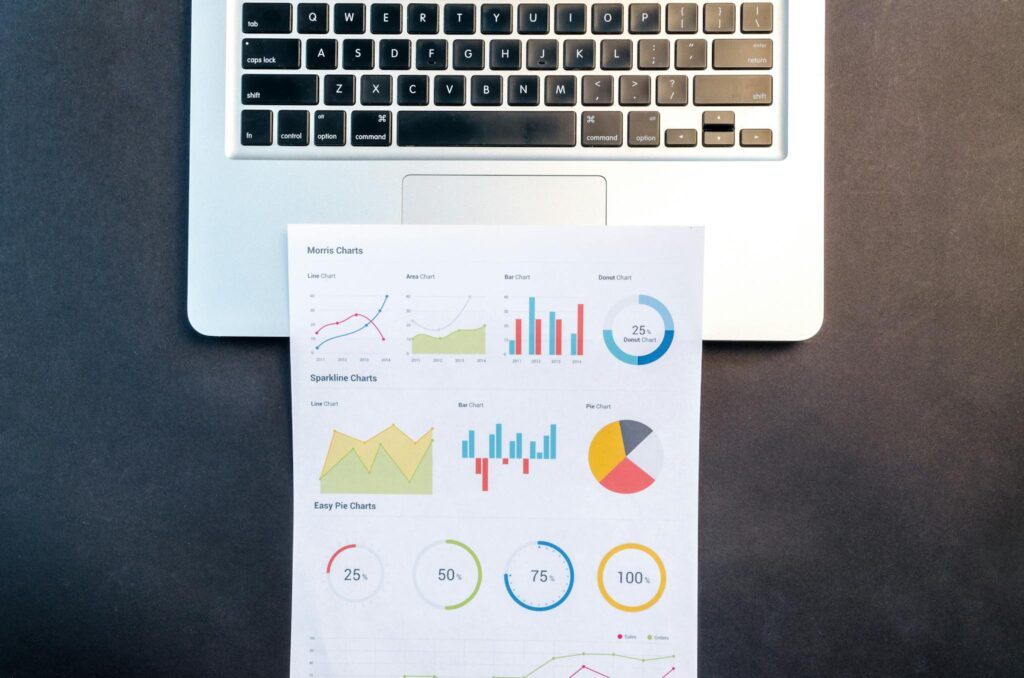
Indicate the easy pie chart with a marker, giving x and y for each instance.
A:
(626, 456)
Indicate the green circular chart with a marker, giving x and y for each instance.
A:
(626, 457)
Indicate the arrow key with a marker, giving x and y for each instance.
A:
(635, 90)
(756, 138)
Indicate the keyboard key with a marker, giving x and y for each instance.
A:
(349, 19)
(653, 55)
(673, 90)
(340, 90)
(602, 128)
(719, 17)
(542, 55)
(523, 90)
(266, 17)
(422, 19)
(598, 90)
(329, 128)
(375, 90)
(743, 54)
(718, 121)
(450, 90)
(460, 19)
(644, 129)
(357, 55)
(413, 90)
(496, 19)
(431, 55)
(270, 53)
(686, 138)
(293, 128)
(635, 90)
(682, 18)
(312, 17)
(395, 55)
(719, 139)
(607, 19)
(371, 128)
(533, 19)
(385, 19)
(579, 55)
(616, 55)
(468, 55)
(732, 90)
(485, 90)
(560, 90)
(506, 55)
(757, 18)
(645, 18)
(257, 128)
(280, 90)
(570, 19)
(321, 54)
(487, 128)
(756, 138)
(691, 55)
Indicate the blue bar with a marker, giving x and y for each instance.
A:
(511, 346)
(547, 448)
(554, 434)
(519, 445)
(572, 344)
(511, 449)
(530, 326)
(497, 441)
(490, 447)
(551, 333)
(472, 444)
(465, 449)
(533, 449)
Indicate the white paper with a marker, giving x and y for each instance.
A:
(579, 562)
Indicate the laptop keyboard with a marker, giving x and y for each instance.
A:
(692, 80)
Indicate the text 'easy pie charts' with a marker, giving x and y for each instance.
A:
(626, 457)
(638, 330)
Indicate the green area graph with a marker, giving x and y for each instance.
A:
(459, 342)
(388, 463)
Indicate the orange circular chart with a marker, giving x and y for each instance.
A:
(626, 456)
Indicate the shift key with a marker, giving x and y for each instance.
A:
(280, 90)
(732, 90)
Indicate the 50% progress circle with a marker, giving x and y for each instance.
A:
(448, 574)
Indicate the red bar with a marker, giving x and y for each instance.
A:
(536, 341)
(526, 467)
(485, 474)
(519, 336)
(558, 337)
(504, 460)
(579, 329)
(478, 460)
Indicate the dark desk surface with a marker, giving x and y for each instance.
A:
(862, 494)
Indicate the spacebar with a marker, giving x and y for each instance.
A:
(486, 128)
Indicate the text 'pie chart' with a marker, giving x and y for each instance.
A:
(626, 456)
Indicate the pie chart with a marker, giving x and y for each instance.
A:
(626, 456)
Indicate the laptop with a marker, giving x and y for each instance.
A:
(491, 114)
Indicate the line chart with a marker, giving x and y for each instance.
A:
(370, 322)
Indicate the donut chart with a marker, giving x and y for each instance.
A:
(638, 330)
(626, 457)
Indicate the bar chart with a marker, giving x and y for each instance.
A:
(508, 449)
(546, 332)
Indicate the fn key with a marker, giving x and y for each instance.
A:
(257, 128)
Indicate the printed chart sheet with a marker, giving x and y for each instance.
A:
(495, 444)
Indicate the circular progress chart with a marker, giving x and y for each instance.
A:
(626, 456)
(638, 330)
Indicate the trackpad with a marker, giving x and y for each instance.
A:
(504, 200)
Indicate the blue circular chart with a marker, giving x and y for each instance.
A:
(638, 330)
(539, 576)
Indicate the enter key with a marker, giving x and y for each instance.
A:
(743, 54)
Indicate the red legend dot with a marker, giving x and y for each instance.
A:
(620, 636)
